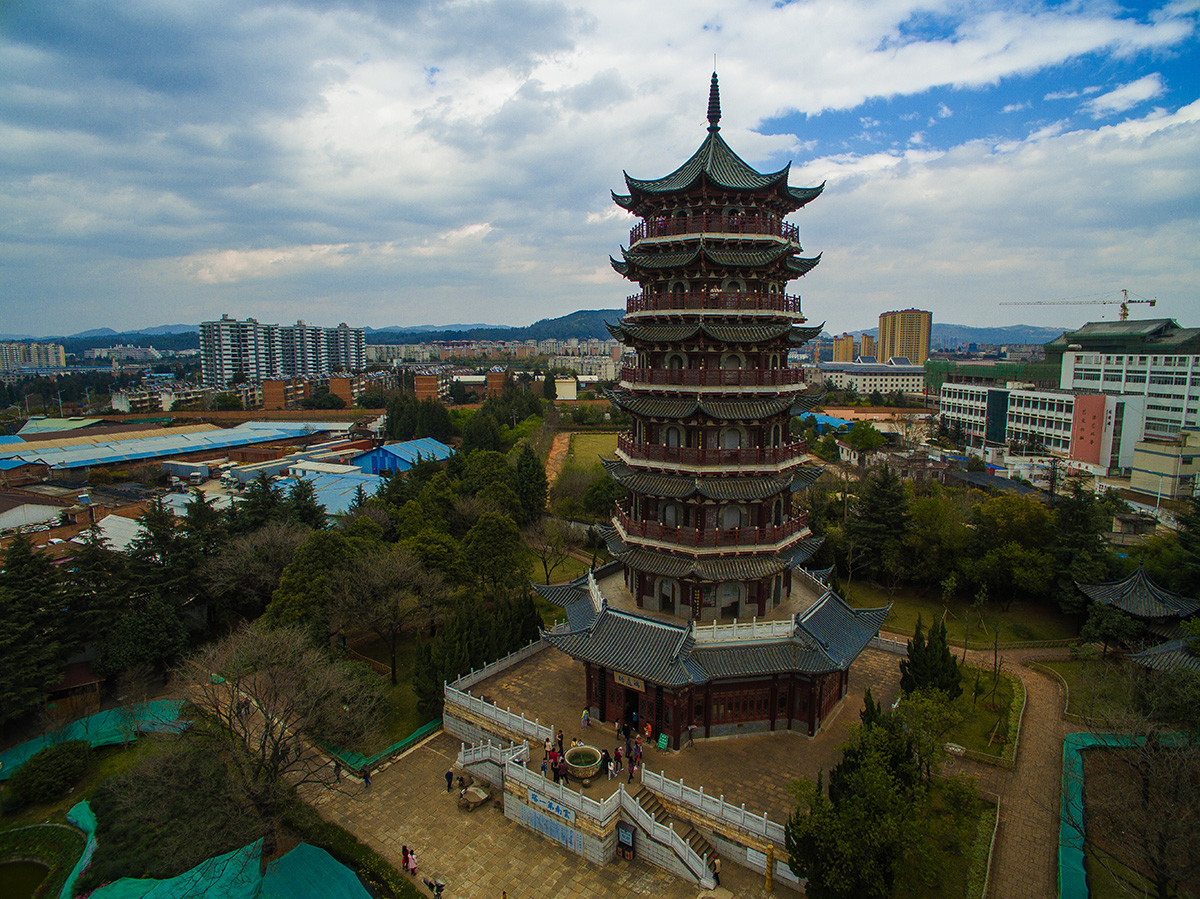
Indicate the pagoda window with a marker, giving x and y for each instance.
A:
(777, 434)
(733, 285)
(732, 361)
(672, 515)
(674, 436)
(732, 517)
(773, 361)
(676, 361)
(667, 593)
(731, 438)
(729, 596)
(777, 513)
(679, 289)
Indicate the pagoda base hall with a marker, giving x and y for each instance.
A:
(711, 530)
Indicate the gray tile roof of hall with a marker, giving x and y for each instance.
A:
(1141, 597)
(828, 637)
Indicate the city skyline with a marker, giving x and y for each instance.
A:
(425, 166)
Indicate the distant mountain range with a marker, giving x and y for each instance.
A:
(950, 336)
(584, 324)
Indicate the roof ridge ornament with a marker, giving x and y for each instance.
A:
(714, 106)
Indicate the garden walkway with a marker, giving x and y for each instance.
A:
(1026, 857)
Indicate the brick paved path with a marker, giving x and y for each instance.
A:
(557, 456)
(1025, 863)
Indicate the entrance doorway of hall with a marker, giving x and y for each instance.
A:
(631, 707)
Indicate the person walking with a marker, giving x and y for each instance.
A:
(449, 779)
(366, 777)
(604, 761)
(631, 767)
(412, 862)
(560, 742)
(404, 858)
(548, 744)
(584, 719)
(716, 869)
(562, 771)
(543, 767)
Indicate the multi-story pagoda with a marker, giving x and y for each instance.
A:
(709, 529)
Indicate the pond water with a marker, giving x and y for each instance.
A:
(18, 880)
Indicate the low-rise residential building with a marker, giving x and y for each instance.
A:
(866, 375)
(433, 383)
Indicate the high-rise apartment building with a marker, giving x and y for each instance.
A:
(905, 332)
(843, 348)
(867, 346)
(31, 355)
(232, 350)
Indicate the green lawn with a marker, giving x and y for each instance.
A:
(107, 761)
(549, 612)
(1095, 687)
(955, 817)
(985, 716)
(1022, 622)
(402, 717)
(587, 448)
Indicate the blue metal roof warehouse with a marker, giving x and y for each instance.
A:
(401, 456)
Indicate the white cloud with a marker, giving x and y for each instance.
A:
(1015, 107)
(1125, 97)
(459, 156)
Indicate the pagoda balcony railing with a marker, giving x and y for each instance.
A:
(710, 538)
(713, 301)
(713, 223)
(713, 377)
(690, 455)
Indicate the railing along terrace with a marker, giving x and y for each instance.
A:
(597, 597)
(713, 223)
(749, 455)
(713, 377)
(666, 835)
(713, 806)
(713, 301)
(514, 723)
(694, 537)
(742, 631)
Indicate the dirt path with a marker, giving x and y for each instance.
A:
(558, 456)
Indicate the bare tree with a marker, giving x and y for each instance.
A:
(551, 542)
(1141, 784)
(243, 576)
(267, 697)
(385, 593)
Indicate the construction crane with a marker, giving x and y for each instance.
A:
(1125, 302)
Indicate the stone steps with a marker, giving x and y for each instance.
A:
(654, 807)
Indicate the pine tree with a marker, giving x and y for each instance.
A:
(942, 665)
(30, 611)
(531, 485)
(914, 670)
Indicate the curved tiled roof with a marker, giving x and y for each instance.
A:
(1141, 597)
(1169, 656)
(679, 407)
(675, 486)
(828, 637)
(647, 259)
(725, 332)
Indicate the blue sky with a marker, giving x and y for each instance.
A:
(412, 163)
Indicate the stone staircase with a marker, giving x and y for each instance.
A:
(650, 802)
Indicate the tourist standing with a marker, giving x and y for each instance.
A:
(404, 858)
(548, 746)
(560, 742)
(543, 767)
(604, 761)
(631, 767)
(449, 779)
(562, 770)
(716, 869)
(412, 862)
(584, 719)
(366, 777)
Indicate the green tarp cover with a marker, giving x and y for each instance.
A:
(102, 729)
(82, 816)
(304, 873)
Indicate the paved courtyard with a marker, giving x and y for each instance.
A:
(482, 853)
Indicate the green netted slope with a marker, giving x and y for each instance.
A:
(106, 728)
(304, 873)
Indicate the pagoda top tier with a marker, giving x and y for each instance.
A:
(715, 164)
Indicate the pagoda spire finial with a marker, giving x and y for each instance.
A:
(714, 105)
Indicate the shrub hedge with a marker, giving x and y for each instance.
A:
(50, 773)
